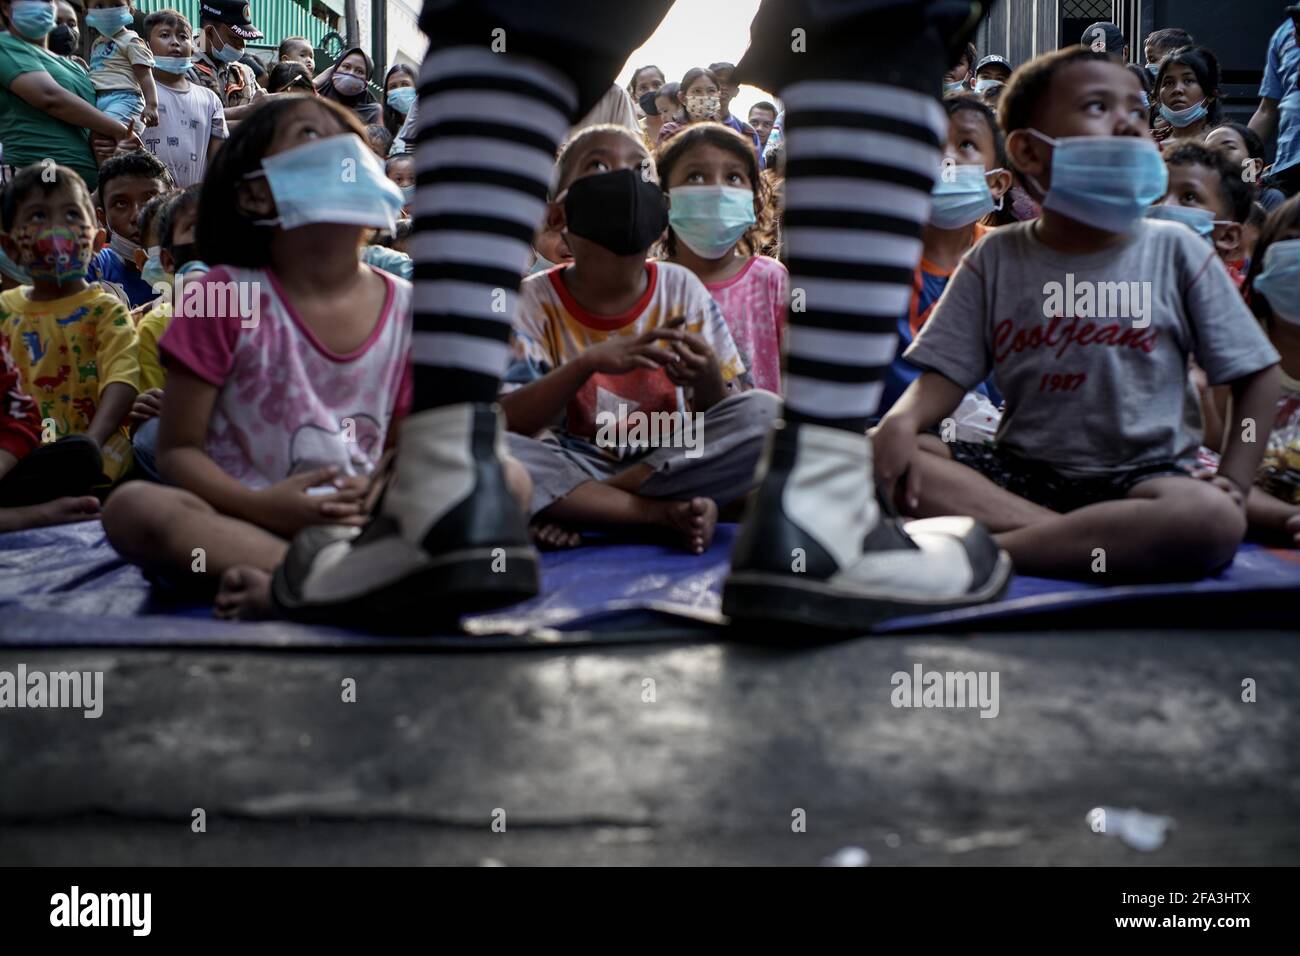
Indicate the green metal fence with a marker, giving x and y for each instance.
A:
(276, 19)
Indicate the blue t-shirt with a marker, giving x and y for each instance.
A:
(1282, 83)
(108, 265)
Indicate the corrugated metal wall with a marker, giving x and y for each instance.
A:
(276, 19)
(1020, 29)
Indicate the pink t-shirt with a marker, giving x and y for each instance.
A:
(753, 302)
(287, 404)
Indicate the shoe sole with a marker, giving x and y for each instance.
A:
(432, 597)
(761, 599)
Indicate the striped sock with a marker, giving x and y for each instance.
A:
(861, 161)
(487, 129)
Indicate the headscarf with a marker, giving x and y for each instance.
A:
(364, 103)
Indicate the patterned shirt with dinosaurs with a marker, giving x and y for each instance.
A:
(67, 351)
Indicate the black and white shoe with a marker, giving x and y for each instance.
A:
(447, 537)
(815, 551)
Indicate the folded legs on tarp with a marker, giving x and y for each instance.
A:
(65, 586)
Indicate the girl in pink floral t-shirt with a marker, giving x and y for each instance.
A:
(287, 367)
(718, 205)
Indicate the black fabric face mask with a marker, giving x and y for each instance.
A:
(618, 210)
(62, 40)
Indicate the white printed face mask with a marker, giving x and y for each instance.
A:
(703, 106)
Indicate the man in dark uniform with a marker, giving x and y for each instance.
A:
(225, 26)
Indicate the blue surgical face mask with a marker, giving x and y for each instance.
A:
(401, 98)
(1200, 221)
(32, 18)
(954, 87)
(226, 54)
(173, 64)
(1279, 280)
(1107, 182)
(710, 220)
(152, 271)
(962, 196)
(336, 179)
(108, 20)
(408, 193)
(1182, 118)
(191, 267)
(983, 86)
(1153, 68)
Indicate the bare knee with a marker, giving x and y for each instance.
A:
(138, 514)
(1202, 528)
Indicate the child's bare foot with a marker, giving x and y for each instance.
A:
(58, 511)
(694, 521)
(244, 595)
(552, 537)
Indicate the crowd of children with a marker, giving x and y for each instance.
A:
(211, 339)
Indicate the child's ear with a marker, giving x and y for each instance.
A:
(1000, 182)
(168, 263)
(100, 217)
(1030, 156)
(1227, 240)
(555, 219)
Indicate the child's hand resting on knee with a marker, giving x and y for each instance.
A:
(288, 506)
(895, 448)
(1224, 484)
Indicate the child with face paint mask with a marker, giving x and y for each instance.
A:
(610, 340)
(715, 198)
(286, 367)
(74, 343)
(971, 187)
(191, 120)
(1086, 319)
(126, 183)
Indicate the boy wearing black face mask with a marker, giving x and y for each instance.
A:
(1086, 318)
(611, 340)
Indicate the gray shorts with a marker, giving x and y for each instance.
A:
(730, 446)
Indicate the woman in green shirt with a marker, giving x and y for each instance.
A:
(47, 104)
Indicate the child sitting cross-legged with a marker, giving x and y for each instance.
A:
(610, 349)
(1086, 318)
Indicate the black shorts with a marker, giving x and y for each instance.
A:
(908, 43)
(1045, 486)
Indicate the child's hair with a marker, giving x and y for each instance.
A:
(1257, 216)
(1024, 92)
(178, 204)
(29, 179)
(1254, 145)
(225, 235)
(1206, 67)
(1170, 38)
(408, 157)
(1238, 193)
(150, 212)
(723, 137)
(764, 105)
(170, 18)
(631, 84)
(135, 163)
(1280, 221)
(971, 56)
(1143, 77)
(379, 136)
(693, 74)
(563, 172)
(291, 75)
(279, 51)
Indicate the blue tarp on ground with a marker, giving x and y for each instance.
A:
(66, 586)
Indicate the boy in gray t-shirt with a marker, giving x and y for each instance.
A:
(1086, 318)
